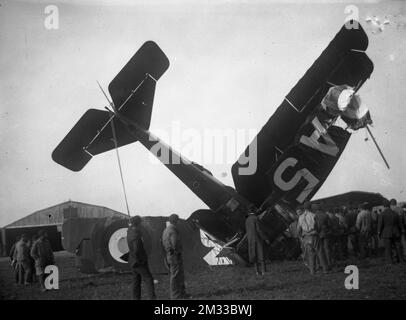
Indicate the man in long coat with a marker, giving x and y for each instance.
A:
(308, 230)
(172, 244)
(138, 260)
(389, 231)
(43, 255)
(22, 257)
(255, 243)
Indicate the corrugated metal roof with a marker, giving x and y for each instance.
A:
(55, 214)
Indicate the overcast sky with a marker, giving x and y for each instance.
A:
(232, 63)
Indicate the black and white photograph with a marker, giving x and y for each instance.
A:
(212, 152)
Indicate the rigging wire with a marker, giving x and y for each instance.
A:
(113, 129)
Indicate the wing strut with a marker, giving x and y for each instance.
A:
(376, 144)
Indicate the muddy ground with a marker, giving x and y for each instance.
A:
(284, 280)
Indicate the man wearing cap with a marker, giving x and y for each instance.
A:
(352, 229)
(255, 243)
(22, 257)
(13, 261)
(403, 229)
(324, 230)
(173, 247)
(138, 260)
(397, 209)
(374, 232)
(343, 232)
(300, 211)
(364, 227)
(389, 231)
(334, 236)
(307, 229)
(43, 256)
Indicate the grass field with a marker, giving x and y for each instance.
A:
(284, 280)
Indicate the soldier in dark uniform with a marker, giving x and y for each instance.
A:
(309, 229)
(43, 255)
(334, 236)
(324, 230)
(32, 261)
(138, 260)
(364, 227)
(13, 262)
(255, 243)
(173, 248)
(374, 233)
(389, 230)
(343, 233)
(21, 255)
(352, 229)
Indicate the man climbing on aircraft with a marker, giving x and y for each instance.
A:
(173, 247)
(138, 260)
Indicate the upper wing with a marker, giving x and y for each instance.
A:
(342, 62)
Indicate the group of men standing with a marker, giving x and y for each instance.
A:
(29, 257)
(325, 234)
(138, 259)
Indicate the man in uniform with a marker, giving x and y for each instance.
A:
(324, 228)
(138, 260)
(403, 229)
(255, 243)
(397, 209)
(389, 231)
(21, 256)
(374, 233)
(299, 211)
(13, 261)
(364, 227)
(32, 261)
(334, 236)
(43, 256)
(173, 247)
(352, 229)
(307, 229)
(343, 233)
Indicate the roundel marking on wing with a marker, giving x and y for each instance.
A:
(114, 248)
(118, 246)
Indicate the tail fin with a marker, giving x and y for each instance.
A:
(132, 91)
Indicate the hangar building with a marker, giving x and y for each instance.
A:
(51, 220)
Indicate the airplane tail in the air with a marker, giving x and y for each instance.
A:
(132, 91)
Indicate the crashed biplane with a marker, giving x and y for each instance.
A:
(294, 152)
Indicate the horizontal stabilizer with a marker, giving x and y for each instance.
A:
(70, 152)
(132, 91)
